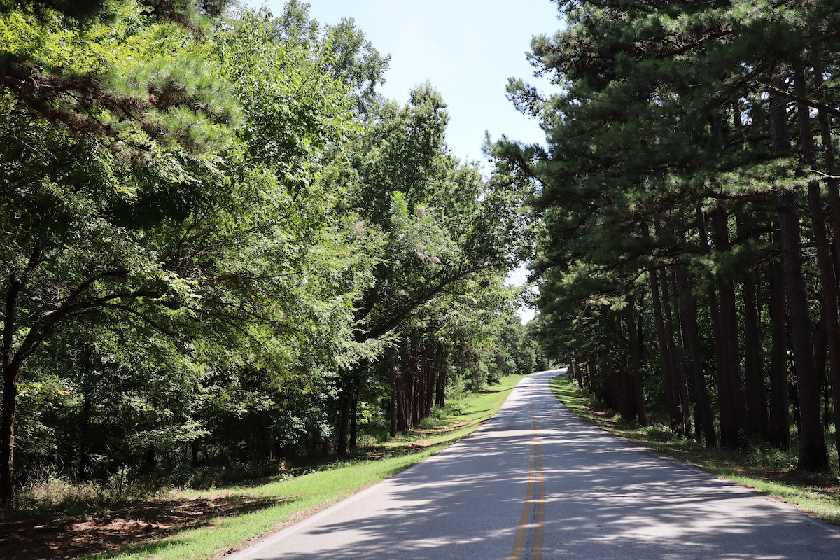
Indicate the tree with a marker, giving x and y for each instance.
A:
(184, 218)
(211, 219)
(673, 119)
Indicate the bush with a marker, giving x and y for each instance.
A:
(658, 432)
(54, 493)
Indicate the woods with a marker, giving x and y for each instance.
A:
(691, 215)
(243, 278)
(222, 249)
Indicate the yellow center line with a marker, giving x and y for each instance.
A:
(539, 514)
(522, 528)
(534, 505)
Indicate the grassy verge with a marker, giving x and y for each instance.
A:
(767, 471)
(280, 502)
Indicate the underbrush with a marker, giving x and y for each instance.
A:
(51, 493)
(47, 493)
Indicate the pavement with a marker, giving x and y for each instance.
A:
(535, 482)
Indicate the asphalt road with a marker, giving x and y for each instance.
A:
(536, 482)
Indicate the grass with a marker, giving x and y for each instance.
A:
(767, 471)
(293, 499)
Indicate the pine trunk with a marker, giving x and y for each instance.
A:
(779, 425)
(636, 401)
(703, 418)
(812, 450)
(680, 377)
(755, 392)
(729, 385)
(666, 356)
(826, 266)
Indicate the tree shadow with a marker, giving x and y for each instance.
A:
(603, 498)
(62, 537)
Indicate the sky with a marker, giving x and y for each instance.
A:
(467, 49)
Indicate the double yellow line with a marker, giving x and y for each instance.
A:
(533, 512)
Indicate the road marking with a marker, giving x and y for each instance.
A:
(532, 520)
(539, 513)
(522, 528)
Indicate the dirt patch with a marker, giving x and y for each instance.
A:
(60, 537)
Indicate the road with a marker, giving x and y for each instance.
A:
(535, 482)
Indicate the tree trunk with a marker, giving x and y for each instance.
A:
(342, 421)
(354, 417)
(670, 302)
(703, 418)
(7, 437)
(432, 368)
(404, 392)
(639, 350)
(634, 382)
(714, 316)
(828, 280)
(812, 450)
(829, 157)
(729, 383)
(756, 394)
(820, 354)
(780, 382)
(588, 373)
(779, 425)
(440, 381)
(11, 369)
(393, 403)
(84, 423)
(666, 356)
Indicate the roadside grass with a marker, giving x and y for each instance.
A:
(285, 501)
(767, 471)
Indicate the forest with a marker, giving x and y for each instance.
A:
(221, 249)
(689, 248)
(226, 258)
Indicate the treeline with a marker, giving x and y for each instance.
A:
(690, 247)
(221, 247)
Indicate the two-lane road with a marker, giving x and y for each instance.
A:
(536, 482)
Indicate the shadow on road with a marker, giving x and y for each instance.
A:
(605, 498)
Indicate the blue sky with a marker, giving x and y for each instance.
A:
(467, 49)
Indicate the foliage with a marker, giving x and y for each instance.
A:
(684, 140)
(220, 247)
